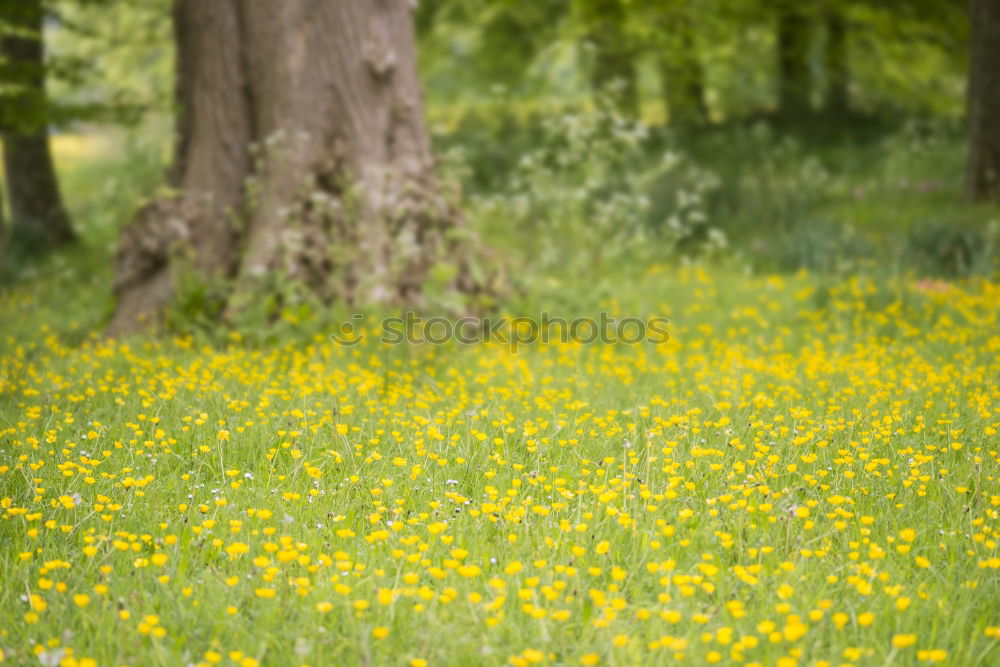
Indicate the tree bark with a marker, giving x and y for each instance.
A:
(838, 75)
(38, 217)
(983, 170)
(302, 159)
(794, 79)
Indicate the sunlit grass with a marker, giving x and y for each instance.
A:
(73, 150)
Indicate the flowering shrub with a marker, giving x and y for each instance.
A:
(590, 180)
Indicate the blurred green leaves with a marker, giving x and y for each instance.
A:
(107, 61)
(697, 58)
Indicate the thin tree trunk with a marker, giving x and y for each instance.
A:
(683, 76)
(983, 171)
(38, 216)
(794, 82)
(613, 67)
(838, 75)
(4, 232)
(302, 159)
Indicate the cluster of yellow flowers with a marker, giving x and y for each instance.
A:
(802, 475)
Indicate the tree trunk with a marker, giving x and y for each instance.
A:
(983, 172)
(837, 73)
(38, 217)
(613, 66)
(302, 158)
(4, 232)
(682, 75)
(794, 80)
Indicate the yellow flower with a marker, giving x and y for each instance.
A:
(902, 641)
(237, 549)
(932, 655)
(380, 632)
(866, 619)
(533, 655)
(671, 615)
(81, 600)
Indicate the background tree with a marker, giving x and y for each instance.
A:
(3, 222)
(793, 37)
(498, 40)
(38, 217)
(837, 98)
(983, 175)
(301, 157)
(674, 27)
(610, 51)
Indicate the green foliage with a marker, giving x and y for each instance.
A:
(109, 61)
(920, 52)
(493, 42)
(198, 304)
(580, 201)
(826, 198)
(903, 55)
(820, 246)
(105, 61)
(953, 249)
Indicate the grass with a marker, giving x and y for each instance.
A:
(806, 473)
